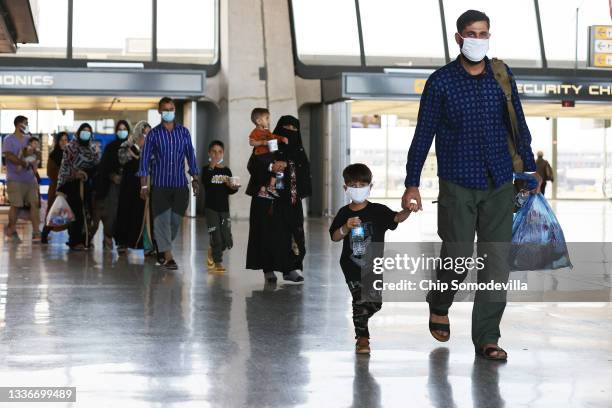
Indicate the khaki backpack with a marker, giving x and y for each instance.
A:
(505, 82)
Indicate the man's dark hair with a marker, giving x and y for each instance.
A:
(19, 120)
(469, 17)
(357, 173)
(165, 99)
(257, 113)
(216, 143)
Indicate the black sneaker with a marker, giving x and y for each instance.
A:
(171, 265)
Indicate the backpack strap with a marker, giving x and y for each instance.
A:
(505, 82)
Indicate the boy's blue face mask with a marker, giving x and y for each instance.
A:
(168, 116)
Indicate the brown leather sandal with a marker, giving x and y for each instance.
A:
(487, 352)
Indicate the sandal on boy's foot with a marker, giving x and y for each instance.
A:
(443, 327)
(487, 353)
(270, 277)
(362, 346)
(209, 259)
(36, 238)
(219, 267)
(293, 276)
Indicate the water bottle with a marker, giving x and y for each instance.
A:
(279, 180)
(358, 241)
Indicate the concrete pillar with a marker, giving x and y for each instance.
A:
(256, 71)
(190, 121)
(337, 138)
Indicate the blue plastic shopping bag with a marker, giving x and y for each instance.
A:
(537, 238)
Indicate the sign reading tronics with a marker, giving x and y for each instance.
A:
(600, 46)
(102, 82)
(410, 85)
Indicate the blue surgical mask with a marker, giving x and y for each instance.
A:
(167, 116)
(122, 134)
(85, 135)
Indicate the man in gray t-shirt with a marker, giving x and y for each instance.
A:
(21, 183)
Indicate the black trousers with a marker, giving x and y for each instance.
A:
(362, 310)
(220, 231)
(82, 212)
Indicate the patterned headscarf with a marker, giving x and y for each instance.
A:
(138, 132)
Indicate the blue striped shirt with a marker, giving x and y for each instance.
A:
(468, 116)
(170, 150)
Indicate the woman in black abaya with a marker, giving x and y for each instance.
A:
(276, 227)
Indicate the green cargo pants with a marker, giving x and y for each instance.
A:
(463, 213)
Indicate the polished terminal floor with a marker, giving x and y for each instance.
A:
(127, 334)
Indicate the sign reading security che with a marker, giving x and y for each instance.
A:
(600, 46)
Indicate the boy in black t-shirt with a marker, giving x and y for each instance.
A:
(218, 185)
(359, 224)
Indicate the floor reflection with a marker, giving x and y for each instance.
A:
(127, 333)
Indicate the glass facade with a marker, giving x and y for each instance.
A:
(326, 32)
(51, 20)
(582, 157)
(559, 29)
(112, 30)
(404, 37)
(115, 30)
(409, 33)
(187, 37)
(514, 29)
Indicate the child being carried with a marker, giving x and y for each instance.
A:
(265, 147)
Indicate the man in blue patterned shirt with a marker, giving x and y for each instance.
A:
(465, 108)
(170, 144)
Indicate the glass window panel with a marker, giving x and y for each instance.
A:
(559, 29)
(580, 158)
(326, 32)
(514, 29)
(51, 21)
(112, 30)
(187, 31)
(399, 32)
(541, 140)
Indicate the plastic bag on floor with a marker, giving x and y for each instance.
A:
(60, 215)
(537, 238)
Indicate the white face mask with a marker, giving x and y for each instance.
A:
(358, 194)
(25, 129)
(219, 162)
(475, 49)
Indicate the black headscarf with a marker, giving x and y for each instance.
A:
(57, 153)
(295, 152)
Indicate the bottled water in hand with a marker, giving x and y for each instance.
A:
(279, 180)
(358, 240)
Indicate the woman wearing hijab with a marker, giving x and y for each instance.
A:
(130, 215)
(276, 227)
(109, 182)
(79, 165)
(53, 166)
